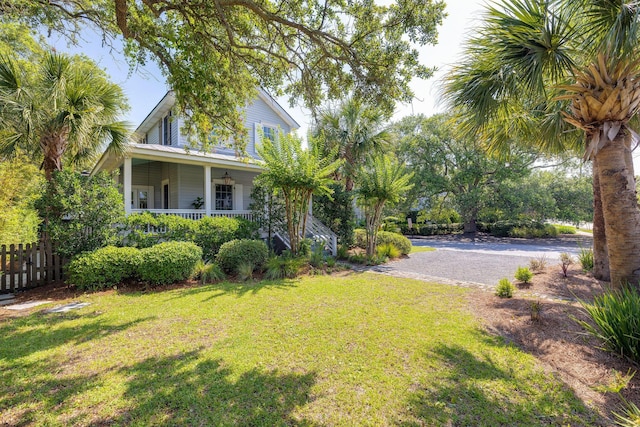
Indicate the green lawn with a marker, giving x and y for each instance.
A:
(356, 350)
(416, 249)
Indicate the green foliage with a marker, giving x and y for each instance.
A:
(103, 267)
(245, 270)
(207, 272)
(356, 132)
(144, 229)
(617, 324)
(267, 209)
(523, 274)
(80, 212)
(528, 232)
(296, 173)
(446, 162)
(565, 229)
(630, 416)
(388, 250)
(64, 108)
(168, 262)
(438, 229)
(343, 252)
(384, 237)
(336, 212)
(309, 50)
(236, 252)
(383, 180)
(22, 184)
(586, 259)
(505, 288)
(284, 266)
(316, 257)
(523, 228)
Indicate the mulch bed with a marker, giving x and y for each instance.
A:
(556, 339)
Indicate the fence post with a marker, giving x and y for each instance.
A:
(3, 264)
(12, 270)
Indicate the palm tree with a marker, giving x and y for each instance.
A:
(357, 131)
(66, 110)
(298, 174)
(380, 181)
(564, 74)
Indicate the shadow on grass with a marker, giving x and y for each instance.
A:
(187, 389)
(24, 336)
(476, 390)
(31, 384)
(236, 288)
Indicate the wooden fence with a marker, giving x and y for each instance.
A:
(28, 266)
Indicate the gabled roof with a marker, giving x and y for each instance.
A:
(169, 99)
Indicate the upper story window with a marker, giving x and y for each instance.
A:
(144, 139)
(269, 132)
(165, 128)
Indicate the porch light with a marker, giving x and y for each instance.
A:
(227, 178)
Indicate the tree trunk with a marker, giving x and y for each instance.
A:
(470, 226)
(621, 213)
(53, 146)
(600, 254)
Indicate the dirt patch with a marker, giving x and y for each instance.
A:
(556, 339)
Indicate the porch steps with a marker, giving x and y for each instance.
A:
(318, 231)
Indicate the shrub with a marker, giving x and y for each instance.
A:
(565, 229)
(208, 272)
(520, 228)
(505, 288)
(211, 233)
(343, 252)
(388, 250)
(80, 212)
(586, 259)
(565, 261)
(103, 267)
(285, 266)
(538, 264)
(236, 252)
(523, 274)
(617, 324)
(245, 270)
(398, 240)
(168, 262)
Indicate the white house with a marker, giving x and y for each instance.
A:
(158, 175)
(161, 174)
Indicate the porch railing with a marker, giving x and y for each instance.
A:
(197, 213)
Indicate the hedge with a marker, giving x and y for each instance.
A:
(103, 267)
(168, 262)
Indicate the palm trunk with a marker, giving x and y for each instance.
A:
(600, 254)
(53, 146)
(621, 213)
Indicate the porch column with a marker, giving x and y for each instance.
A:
(207, 190)
(127, 185)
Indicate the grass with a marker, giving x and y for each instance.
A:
(355, 350)
(416, 249)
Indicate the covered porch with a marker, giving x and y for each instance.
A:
(170, 181)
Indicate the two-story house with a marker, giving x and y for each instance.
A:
(158, 175)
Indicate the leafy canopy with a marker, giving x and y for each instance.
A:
(215, 54)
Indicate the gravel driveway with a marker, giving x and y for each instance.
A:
(481, 260)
